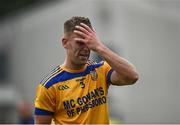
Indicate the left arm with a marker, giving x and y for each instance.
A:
(124, 73)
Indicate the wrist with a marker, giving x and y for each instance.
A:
(101, 50)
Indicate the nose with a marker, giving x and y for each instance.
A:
(86, 49)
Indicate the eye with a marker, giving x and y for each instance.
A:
(80, 43)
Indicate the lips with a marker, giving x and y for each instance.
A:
(84, 54)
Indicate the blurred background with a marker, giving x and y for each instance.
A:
(146, 32)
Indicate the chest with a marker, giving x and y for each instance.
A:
(80, 91)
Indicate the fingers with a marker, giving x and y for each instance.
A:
(80, 40)
(80, 33)
(80, 28)
(86, 27)
(83, 30)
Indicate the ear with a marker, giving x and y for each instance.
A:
(64, 42)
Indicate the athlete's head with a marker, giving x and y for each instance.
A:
(77, 52)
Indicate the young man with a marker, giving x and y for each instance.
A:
(76, 91)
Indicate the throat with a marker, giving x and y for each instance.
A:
(74, 66)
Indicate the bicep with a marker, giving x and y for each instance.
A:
(41, 119)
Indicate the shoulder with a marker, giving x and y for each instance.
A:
(52, 77)
(102, 66)
(58, 74)
(94, 64)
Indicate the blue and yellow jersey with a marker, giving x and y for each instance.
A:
(75, 96)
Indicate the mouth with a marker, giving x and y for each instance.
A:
(84, 53)
(84, 56)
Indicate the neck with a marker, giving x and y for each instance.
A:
(70, 65)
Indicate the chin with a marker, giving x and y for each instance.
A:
(80, 60)
(83, 62)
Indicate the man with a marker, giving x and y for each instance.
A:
(76, 91)
(25, 113)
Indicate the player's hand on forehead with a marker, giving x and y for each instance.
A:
(82, 25)
(83, 30)
(88, 36)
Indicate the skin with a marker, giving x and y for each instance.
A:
(77, 52)
(39, 119)
(79, 44)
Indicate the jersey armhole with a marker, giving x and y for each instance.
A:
(39, 111)
(108, 79)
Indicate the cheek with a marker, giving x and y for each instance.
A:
(73, 50)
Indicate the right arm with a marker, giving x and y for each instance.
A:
(41, 119)
(44, 105)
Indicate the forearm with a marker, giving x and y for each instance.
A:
(124, 72)
(43, 119)
(123, 69)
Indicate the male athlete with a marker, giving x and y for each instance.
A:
(76, 91)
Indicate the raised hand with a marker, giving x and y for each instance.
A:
(88, 37)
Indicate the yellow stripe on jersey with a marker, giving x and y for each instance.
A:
(53, 75)
(46, 77)
(49, 76)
